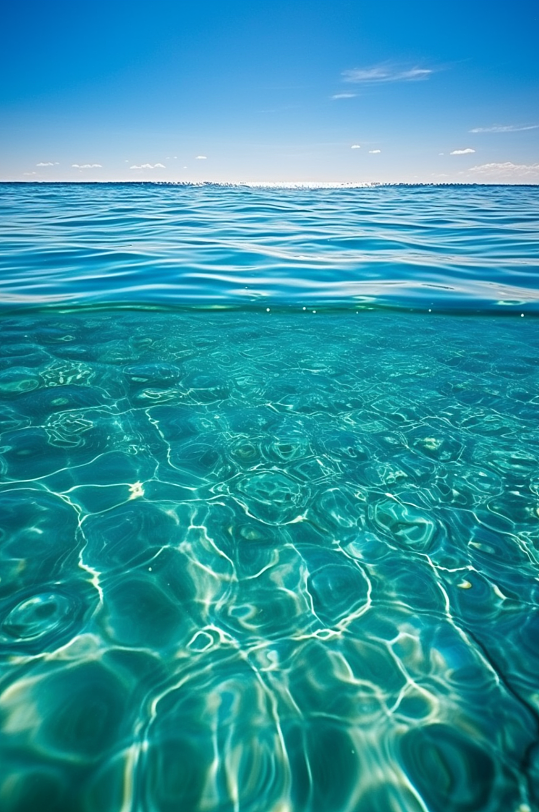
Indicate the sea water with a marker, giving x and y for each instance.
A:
(269, 500)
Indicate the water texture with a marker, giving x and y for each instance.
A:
(268, 561)
(269, 499)
(452, 247)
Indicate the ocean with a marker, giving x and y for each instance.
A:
(269, 498)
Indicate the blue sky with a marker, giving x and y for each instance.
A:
(270, 90)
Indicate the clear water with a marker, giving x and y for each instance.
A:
(467, 247)
(281, 561)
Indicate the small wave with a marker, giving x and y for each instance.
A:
(286, 243)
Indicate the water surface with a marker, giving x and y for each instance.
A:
(278, 552)
(451, 246)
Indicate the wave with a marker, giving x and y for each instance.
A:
(423, 246)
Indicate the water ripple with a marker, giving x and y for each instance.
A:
(268, 561)
(448, 246)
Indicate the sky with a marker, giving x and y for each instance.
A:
(350, 91)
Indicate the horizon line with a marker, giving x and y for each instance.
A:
(265, 184)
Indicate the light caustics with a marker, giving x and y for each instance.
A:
(245, 568)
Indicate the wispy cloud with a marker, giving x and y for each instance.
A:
(507, 170)
(505, 128)
(148, 166)
(201, 158)
(47, 163)
(374, 151)
(27, 174)
(386, 73)
(86, 166)
(467, 151)
(344, 96)
(355, 146)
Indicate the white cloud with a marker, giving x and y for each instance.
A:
(45, 163)
(507, 171)
(374, 151)
(148, 166)
(86, 166)
(386, 73)
(29, 173)
(344, 96)
(200, 158)
(355, 146)
(504, 128)
(466, 151)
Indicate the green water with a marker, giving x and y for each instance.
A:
(269, 562)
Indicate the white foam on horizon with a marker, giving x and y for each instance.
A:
(270, 184)
(309, 184)
(273, 184)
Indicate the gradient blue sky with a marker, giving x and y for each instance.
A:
(270, 90)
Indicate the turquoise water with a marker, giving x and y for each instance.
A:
(279, 560)
(472, 247)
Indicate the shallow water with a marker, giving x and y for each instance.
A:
(279, 561)
(428, 246)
